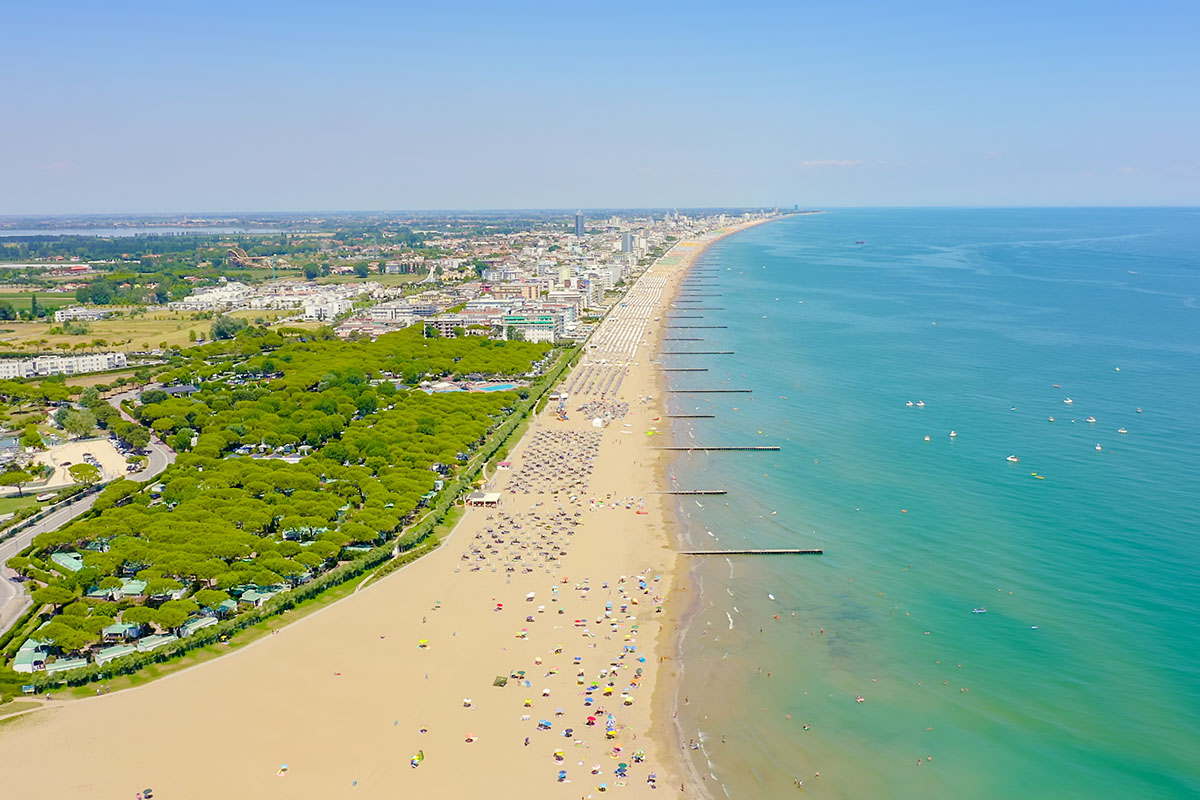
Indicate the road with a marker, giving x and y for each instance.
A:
(13, 598)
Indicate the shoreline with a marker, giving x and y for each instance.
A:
(684, 588)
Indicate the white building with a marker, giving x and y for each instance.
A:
(81, 313)
(214, 298)
(326, 308)
(60, 365)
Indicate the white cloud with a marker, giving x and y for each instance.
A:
(833, 162)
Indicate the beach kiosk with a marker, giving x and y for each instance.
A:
(483, 499)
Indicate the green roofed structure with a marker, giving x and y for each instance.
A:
(154, 642)
(64, 664)
(193, 625)
(131, 587)
(226, 607)
(116, 651)
(256, 598)
(121, 631)
(68, 561)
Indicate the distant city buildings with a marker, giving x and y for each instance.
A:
(541, 284)
(314, 302)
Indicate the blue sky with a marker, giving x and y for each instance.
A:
(215, 106)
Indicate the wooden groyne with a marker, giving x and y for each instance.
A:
(693, 491)
(796, 551)
(702, 308)
(684, 339)
(699, 353)
(690, 416)
(683, 293)
(683, 369)
(694, 327)
(685, 316)
(699, 448)
(710, 391)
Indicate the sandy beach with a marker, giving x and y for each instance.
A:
(569, 589)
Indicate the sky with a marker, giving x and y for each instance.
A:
(139, 107)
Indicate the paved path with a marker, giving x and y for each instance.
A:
(13, 598)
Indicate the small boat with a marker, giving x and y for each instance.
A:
(978, 610)
(1050, 418)
(860, 241)
(1139, 409)
(920, 404)
(909, 403)
(927, 438)
(1098, 447)
(1091, 419)
(953, 434)
(1116, 369)
(770, 596)
(1068, 401)
(1058, 386)
(1122, 430)
(1013, 459)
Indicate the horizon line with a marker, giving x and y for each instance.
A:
(565, 210)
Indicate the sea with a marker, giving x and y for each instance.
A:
(978, 626)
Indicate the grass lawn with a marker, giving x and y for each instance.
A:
(16, 707)
(20, 299)
(144, 332)
(10, 504)
(99, 377)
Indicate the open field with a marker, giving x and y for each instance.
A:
(20, 298)
(99, 377)
(16, 707)
(139, 333)
(8, 505)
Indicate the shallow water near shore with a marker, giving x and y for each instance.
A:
(1080, 678)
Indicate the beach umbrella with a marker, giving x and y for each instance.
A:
(422, 642)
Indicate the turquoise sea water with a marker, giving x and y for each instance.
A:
(1081, 680)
